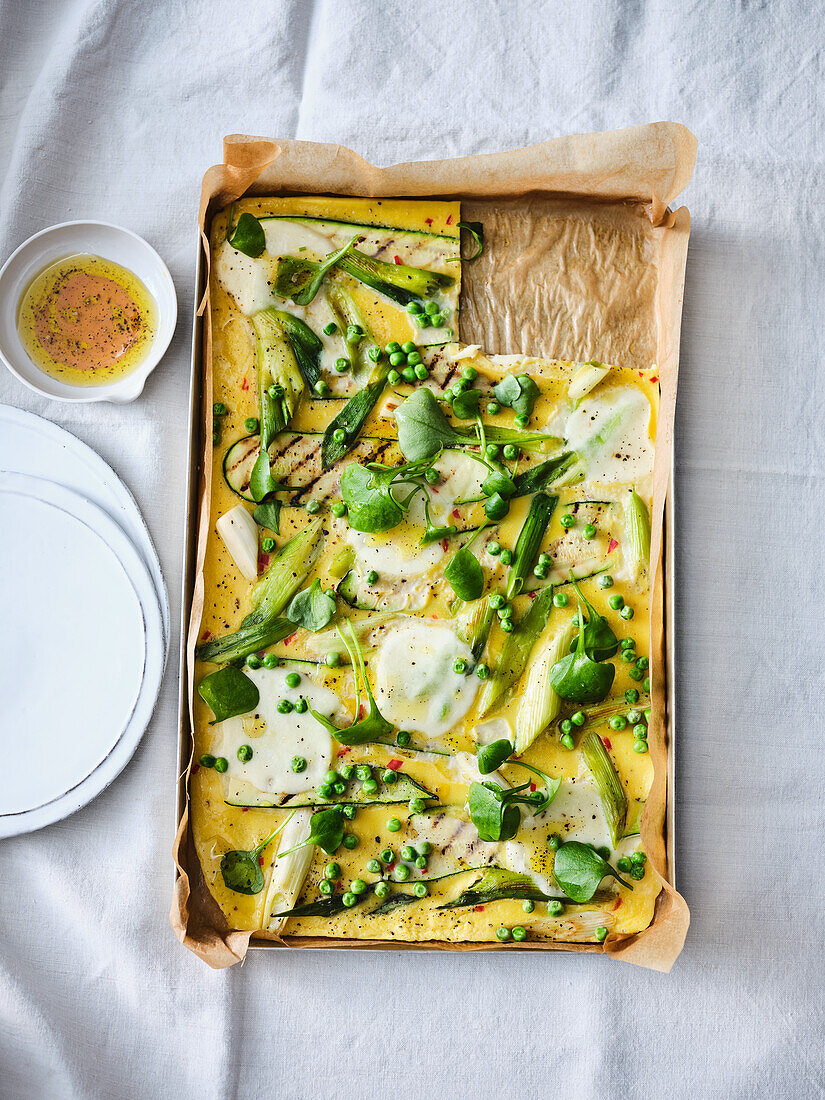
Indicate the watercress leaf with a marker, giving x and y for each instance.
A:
(518, 392)
(261, 481)
(326, 829)
(312, 609)
(579, 869)
(248, 236)
(423, 429)
(268, 515)
(465, 575)
(600, 642)
(499, 481)
(241, 870)
(492, 756)
(435, 534)
(228, 692)
(493, 818)
(465, 404)
(580, 679)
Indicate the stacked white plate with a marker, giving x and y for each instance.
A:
(84, 623)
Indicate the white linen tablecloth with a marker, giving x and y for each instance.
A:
(97, 998)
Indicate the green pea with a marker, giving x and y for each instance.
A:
(638, 856)
(510, 452)
(440, 319)
(555, 908)
(491, 451)
(389, 777)
(270, 660)
(387, 855)
(332, 871)
(339, 787)
(642, 663)
(422, 320)
(251, 424)
(393, 378)
(350, 841)
(493, 408)
(640, 746)
(421, 889)
(636, 872)
(403, 739)
(298, 764)
(647, 716)
(347, 771)
(421, 863)
(333, 660)
(627, 612)
(363, 771)
(370, 786)
(541, 571)
(640, 732)
(503, 934)
(392, 347)
(528, 905)
(342, 364)
(635, 673)
(519, 933)
(313, 506)
(634, 716)
(207, 760)
(646, 684)
(628, 643)
(554, 842)
(600, 934)
(561, 599)
(348, 812)
(293, 679)
(219, 409)
(374, 867)
(401, 873)
(244, 753)
(349, 899)
(408, 346)
(421, 372)
(397, 359)
(459, 666)
(254, 661)
(324, 790)
(326, 888)
(483, 672)
(522, 421)
(589, 531)
(408, 853)
(394, 825)
(301, 706)
(617, 722)
(284, 706)
(338, 509)
(413, 358)
(354, 335)
(331, 776)
(497, 601)
(469, 374)
(321, 388)
(507, 626)
(275, 391)
(408, 374)
(628, 656)
(579, 718)
(221, 764)
(415, 307)
(567, 741)
(416, 806)
(382, 889)
(566, 726)
(505, 612)
(616, 601)
(606, 581)
(358, 886)
(631, 696)
(372, 577)
(568, 520)
(506, 557)
(623, 864)
(339, 435)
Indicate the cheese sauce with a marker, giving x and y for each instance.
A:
(86, 321)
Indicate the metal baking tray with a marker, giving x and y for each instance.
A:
(196, 423)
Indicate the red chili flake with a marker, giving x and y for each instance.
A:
(456, 514)
(396, 259)
(206, 634)
(532, 786)
(291, 638)
(263, 560)
(261, 860)
(343, 749)
(245, 810)
(394, 765)
(655, 378)
(195, 769)
(532, 595)
(478, 908)
(618, 903)
(444, 545)
(362, 711)
(450, 222)
(607, 744)
(245, 384)
(612, 546)
(428, 221)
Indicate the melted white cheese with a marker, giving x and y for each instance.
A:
(276, 738)
(461, 478)
(415, 684)
(611, 432)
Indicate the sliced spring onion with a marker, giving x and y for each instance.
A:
(516, 650)
(608, 784)
(539, 703)
(290, 871)
(586, 379)
(637, 533)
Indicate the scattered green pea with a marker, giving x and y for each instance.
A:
(589, 531)
(415, 806)
(519, 933)
(493, 408)
(579, 718)
(313, 506)
(408, 374)
(293, 679)
(219, 409)
(301, 706)
(325, 887)
(627, 613)
(642, 663)
(640, 746)
(421, 889)
(408, 853)
(600, 934)
(459, 666)
(342, 365)
(507, 626)
(333, 660)
(254, 661)
(616, 601)
(510, 452)
(358, 886)
(221, 764)
(421, 863)
(631, 696)
(338, 509)
(568, 520)
(397, 358)
(284, 706)
(393, 377)
(567, 741)
(403, 739)
(635, 673)
(506, 557)
(374, 354)
(298, 764)
(483, 672)
(322, 388)
(528, 905)
(394, 825)
(244, 753)
(389, 777)
(522, 421)
(348, 812)
(617, 722)
(503, 934)
(555, 908)
(566, 726)
(349, 899)
(647, 716)
(207, 760)
(370, 786)
(401, 873)
(646, 684)
(421, 372)
(497, 601)
(350, 841)
(606, 581)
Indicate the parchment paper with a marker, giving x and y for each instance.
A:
(583, 259)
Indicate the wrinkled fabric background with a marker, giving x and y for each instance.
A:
(97, 998)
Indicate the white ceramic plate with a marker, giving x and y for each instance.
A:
(81, 651)
(101, 239)
(31, 445)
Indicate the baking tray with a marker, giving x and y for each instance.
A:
(197, 419)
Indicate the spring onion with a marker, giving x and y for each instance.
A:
(539, 703)
(608, 784)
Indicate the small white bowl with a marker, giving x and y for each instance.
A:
(123, 247)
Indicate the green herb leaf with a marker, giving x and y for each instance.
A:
(579, 869)
(600, 642)
(465, 404)
(241, 870)
(492, 756)
(476, 231)
(312, 609)
(374, 726)
(465, 575)
(493, 818)
(248, 236)
(228, 692)
(518, 392)
(423, 429)
(578, 677)
(269, 516)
